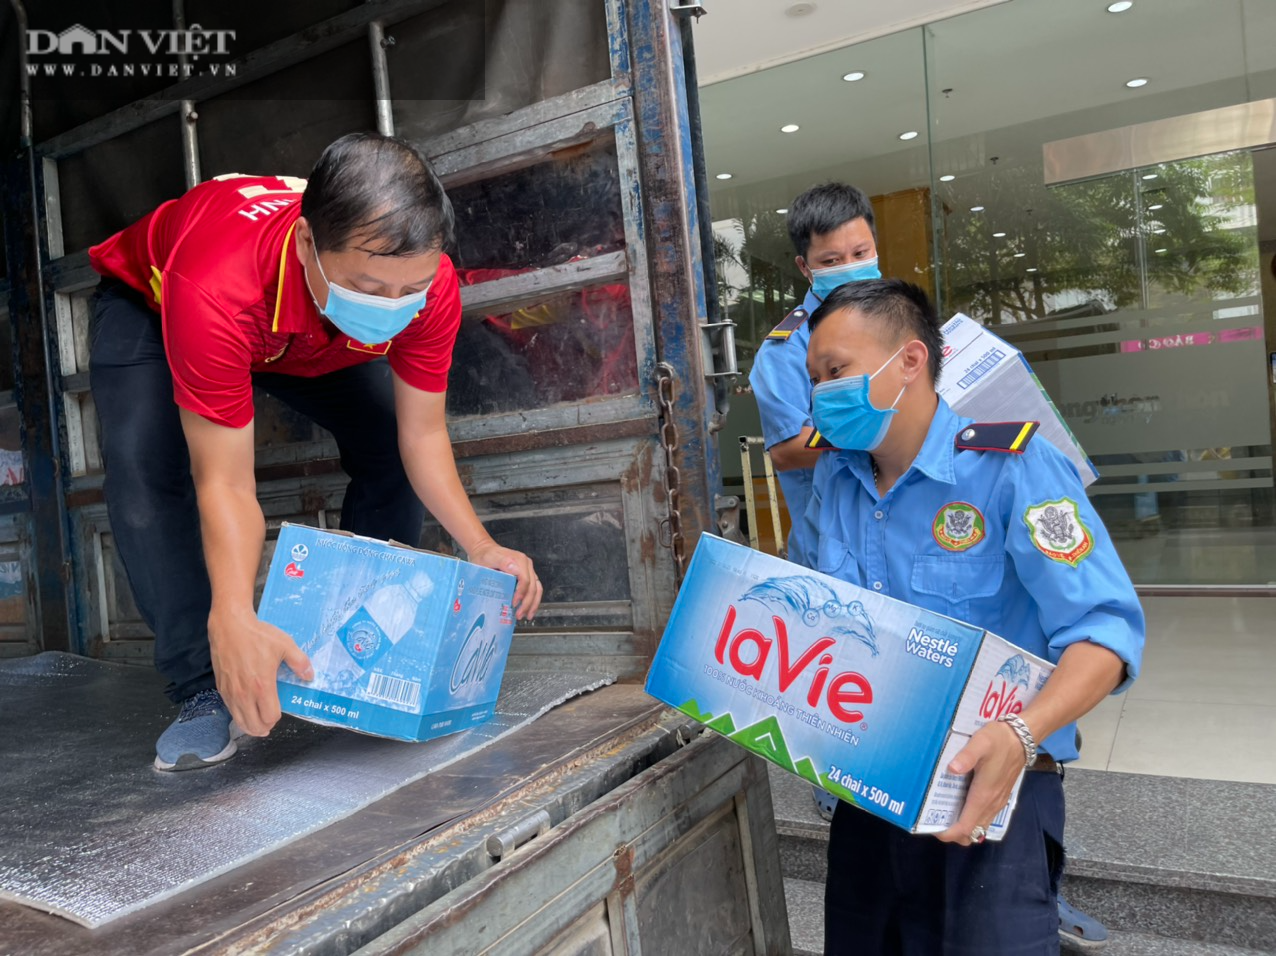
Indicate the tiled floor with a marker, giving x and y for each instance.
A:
(1205, 704)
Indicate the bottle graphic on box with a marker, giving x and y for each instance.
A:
(382, 619)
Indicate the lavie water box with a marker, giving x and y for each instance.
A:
(986, 378)
(404, 643)
(863, 695)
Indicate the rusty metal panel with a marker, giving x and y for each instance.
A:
(632, 851)
(111, 185)
(280, 124)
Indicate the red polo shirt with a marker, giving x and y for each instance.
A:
(220, 266)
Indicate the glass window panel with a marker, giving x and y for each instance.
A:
(542, 215)
(1138, 296)
(569, 347)
(467, 62)
(113, 184)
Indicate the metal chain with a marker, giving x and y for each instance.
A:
(673, 477)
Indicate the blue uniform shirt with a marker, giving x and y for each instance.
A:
(782, 387)
(1008, 542)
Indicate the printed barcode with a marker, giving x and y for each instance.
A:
(395, 691)
(978, 372)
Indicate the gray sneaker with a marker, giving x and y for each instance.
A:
(825, 803)
(203, 734)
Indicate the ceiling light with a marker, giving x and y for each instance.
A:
(1158, 231)
(1020, 255)
(1149, 175)
(1155, 207)
(999, 235)
(790, 128)
(948, 178)
(976, 208)
(782, 211)
(1135, 83)
(1120, 6)
(1160, 251)
(911, 134)
(800, 10)
(723, 176)
(853, 76)
(1030, 269)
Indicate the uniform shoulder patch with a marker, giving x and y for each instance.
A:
(818, 442)
(788, 325)
(1058, 532)
(1007, 437)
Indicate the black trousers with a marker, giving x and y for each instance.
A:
(890, 893)
(150, 497)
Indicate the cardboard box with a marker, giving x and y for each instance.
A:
(988, 379)
(862, 695)
(404, 643)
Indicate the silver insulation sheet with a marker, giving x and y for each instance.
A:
(89, 830)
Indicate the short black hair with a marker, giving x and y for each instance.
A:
(824, 208)
(900, 307)
(379, 189)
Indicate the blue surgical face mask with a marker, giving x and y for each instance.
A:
(824, 281)
(845, 414)
(369, 319)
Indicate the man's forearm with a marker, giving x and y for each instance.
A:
(793, 455)
(431, 469)
(234, 531)
(1084, 676)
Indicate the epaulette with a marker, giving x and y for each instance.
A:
(818, 442)
(1009, 437)
(788, 325)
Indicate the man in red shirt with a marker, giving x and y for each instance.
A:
(332, 294)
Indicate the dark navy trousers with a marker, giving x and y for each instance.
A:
(891, 893)
(150, 497)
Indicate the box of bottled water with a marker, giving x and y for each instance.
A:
(404, 643)
(865, 696)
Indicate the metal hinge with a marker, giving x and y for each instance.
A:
(722, 350)
(696, 10)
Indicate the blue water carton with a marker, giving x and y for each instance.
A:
(404, 643)
(865, 696)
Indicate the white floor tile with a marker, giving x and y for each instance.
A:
(1212, 741)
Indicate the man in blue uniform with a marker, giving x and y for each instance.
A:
(832, 231)
(982, 523)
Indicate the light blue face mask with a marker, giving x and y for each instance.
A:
(824, 281)
(845, 414)
(369, 319)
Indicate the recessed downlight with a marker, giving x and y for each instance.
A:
(782, 212)
(1030, 269)
(976, 208)
(1138, 81)
(999, 235)
(1160, 251)
(1155, 206)
(854, 76)
(723, 176)
(911, 134)
(947, 178)
(790, 128)
(1120, 6)
(1020, 255)
(1147, 176)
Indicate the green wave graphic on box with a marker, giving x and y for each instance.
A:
(766, 739)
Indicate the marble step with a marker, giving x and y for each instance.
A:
(1155, 857)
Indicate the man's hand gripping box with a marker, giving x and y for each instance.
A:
(404, 643)
(865, 696)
